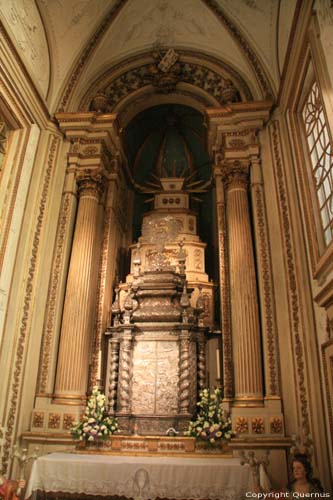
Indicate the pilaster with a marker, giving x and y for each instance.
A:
(265, 283)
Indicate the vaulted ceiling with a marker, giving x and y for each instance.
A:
(67, 45)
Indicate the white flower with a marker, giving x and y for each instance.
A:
(90, 438)
(210, 422)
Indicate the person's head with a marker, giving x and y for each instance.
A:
(301, 467)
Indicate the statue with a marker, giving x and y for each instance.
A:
(303, 482)
(10, 489)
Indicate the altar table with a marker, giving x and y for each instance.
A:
(140, 478)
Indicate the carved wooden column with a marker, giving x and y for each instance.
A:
(184, 370)
(112, 378)
(125, 355)
(243, 286)
(201, 361)
(78, 315)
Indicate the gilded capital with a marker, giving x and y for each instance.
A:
(90, 183)
(235, 174)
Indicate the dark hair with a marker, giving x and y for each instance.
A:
(303, 459)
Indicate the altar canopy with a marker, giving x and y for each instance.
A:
(144, 478)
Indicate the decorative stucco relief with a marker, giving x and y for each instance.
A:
(12, 213)
(225, 303)
(24, 23)
(3, 140)
(294, 301)
(24, 329)
(186, 28)
(143, 25)
(248, 51)
(87, 52)
(324, 11)
(102, 277)
(271, 347)
(53, 294)
(70, 24)
(214, 78)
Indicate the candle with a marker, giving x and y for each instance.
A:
(218, 372)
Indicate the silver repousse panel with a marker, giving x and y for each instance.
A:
(155, 377)
(144, 376)
(167, 378)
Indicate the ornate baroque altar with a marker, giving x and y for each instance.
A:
(157, 340)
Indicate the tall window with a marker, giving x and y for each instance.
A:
(321, 155)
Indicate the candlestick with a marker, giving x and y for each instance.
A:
(218, 371)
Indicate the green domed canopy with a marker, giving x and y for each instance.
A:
(167, 141)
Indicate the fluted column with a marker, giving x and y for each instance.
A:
(243, 287)
(78, 315)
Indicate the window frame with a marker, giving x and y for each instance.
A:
(313, 168)
(321, 256)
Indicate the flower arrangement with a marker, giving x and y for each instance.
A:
(94, 426)
(211, 423)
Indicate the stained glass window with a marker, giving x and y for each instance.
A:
(321, 155)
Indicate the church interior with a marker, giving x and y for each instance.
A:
(166, 224)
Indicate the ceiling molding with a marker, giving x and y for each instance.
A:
(41, 107)
(249, 53)
(86, 54)
(303, 12)
(65, 101)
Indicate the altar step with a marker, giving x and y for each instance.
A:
(159, 445)
(140, 445)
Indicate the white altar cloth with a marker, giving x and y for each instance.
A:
(141, 478)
